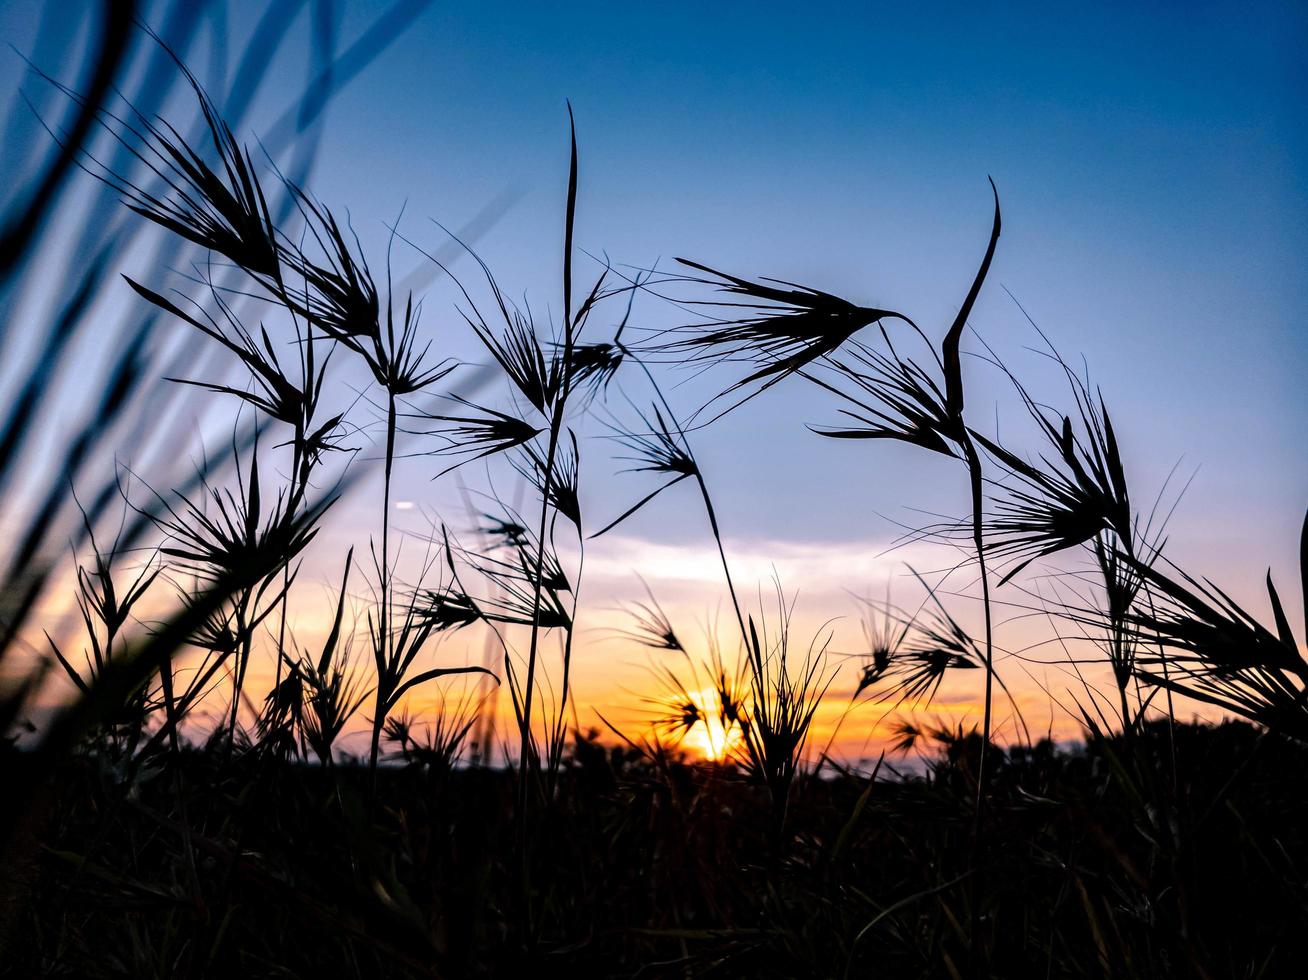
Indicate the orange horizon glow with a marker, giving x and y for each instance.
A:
(612, 682)
(708, 738)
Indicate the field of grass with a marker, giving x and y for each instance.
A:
(178, 816)
(1181, 854)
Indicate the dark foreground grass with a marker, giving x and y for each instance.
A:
(1112, 861)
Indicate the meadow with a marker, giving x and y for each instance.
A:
(188, 806)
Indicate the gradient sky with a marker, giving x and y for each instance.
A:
(1153, 169)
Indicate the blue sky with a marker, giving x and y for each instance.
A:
(1151, 165)
(1152, 168)
(1154, 177)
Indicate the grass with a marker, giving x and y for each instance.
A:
(670, 868)
(140, 839)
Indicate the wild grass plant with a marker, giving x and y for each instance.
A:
(169, 819)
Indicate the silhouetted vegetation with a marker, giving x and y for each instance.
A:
(1179, 854)
(171, 817)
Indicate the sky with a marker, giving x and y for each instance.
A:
(1154, 182)
(1151, 167)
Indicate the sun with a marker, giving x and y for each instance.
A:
(708, 737)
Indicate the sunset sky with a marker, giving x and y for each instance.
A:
(1153, 172)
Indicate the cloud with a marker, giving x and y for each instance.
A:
(812, 568)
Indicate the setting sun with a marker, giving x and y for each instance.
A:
(708, 737)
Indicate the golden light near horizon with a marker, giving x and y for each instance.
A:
(708, 737)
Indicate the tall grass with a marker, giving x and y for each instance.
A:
(581, 854)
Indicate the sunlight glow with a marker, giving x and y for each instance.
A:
(709, 738)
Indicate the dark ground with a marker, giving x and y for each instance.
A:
(1104, 863)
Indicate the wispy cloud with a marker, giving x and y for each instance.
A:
(813, 568)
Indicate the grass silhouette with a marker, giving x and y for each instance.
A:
(169, 821)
